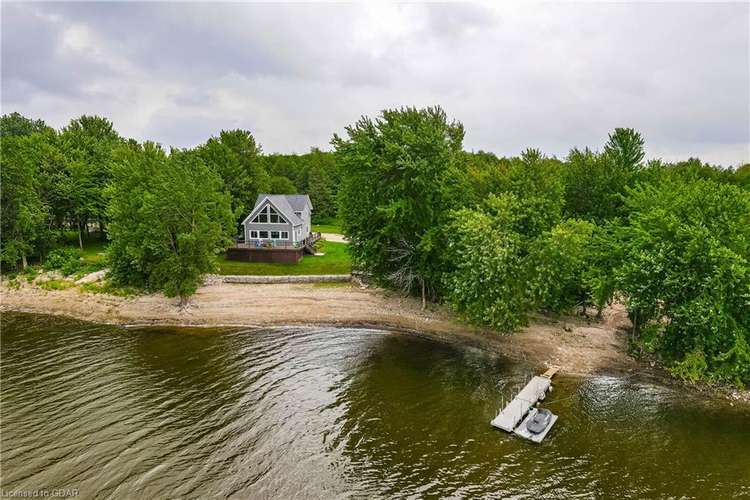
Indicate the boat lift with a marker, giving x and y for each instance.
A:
(521, 418)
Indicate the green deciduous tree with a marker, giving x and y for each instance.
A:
(689, 170)
(395, 171)
(500, 273)
(169, 218)
(314, 173)
(685, 271)
(596, 182)
(536, 184)
(480, 174)
(742, 175)
(15, 124)
(558, 261)
(281, 185)
(487, 284)
(594, 186)
(322, 183)
(87, 143)
(28, 154)
(23, 214)
(254, 177)
(292, 166)
(237, 182)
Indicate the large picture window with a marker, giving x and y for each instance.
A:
(274, 235)
(268, 215)
(263, 235)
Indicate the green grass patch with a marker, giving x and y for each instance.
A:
(109, 289)
(335, 261)
(72, 261)
(51, 285)
(30, 273)
(94, 246)
(93, 252)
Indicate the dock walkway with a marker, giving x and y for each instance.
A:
(515, 412)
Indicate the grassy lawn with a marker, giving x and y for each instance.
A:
(93, 246)
(335, 261)
(93, 251)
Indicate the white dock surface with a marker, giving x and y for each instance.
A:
(516, 410)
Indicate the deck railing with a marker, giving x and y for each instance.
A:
(269, 244)
(260, 244)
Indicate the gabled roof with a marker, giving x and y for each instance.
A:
(296, 201)
(280, 203)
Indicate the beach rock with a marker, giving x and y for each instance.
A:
(92, 277)
(47, 276)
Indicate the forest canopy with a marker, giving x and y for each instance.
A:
(495, 238)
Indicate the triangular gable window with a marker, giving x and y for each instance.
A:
(268, 215)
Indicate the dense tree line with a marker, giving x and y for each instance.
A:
(495, 238)
(499, 238)
(166, 214)
(314, 173)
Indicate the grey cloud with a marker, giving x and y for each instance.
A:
(169, 127)
(31, 61)
(456, 19)
(552, 76)
(175, 37)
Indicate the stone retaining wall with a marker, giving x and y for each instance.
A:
(322, 278)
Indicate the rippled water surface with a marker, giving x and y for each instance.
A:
(321, 412)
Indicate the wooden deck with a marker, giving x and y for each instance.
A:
(272, 251)
(279, 255)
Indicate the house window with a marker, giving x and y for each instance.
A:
(274, 235)
(263, 234)
(268, 214)
(254, 234)
(284, 235)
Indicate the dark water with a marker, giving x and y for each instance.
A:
(328, 413)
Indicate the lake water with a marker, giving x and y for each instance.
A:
(334, 412)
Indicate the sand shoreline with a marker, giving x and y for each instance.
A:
(579, 346)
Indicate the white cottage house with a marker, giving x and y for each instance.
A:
(279, 220)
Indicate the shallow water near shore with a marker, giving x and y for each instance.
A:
(334, 412)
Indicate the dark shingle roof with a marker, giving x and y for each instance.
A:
(296, 201)
(287, 204)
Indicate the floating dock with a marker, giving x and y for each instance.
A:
(515, 415)
(523, 432)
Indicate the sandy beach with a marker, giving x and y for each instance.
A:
(577, 345)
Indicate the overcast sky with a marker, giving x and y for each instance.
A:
(551, 76)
